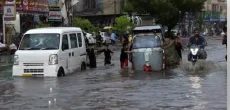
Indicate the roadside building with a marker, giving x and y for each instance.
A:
(28, 13)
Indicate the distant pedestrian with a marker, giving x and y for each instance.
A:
(98, 39)
(130, 38)
(178, 47)
(130, 48)
(13, 48)
(126, 40)
(107, 53)
(178, 35)
(124, 56)
(224, 41)
(92, 58)
(113, 38)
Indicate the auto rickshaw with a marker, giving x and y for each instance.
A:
(147, 51)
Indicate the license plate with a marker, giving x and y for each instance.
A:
(27, 75)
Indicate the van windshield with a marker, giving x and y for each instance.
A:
(147, 31)
(146, 41)
(40, 42)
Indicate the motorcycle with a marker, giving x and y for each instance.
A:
(194, 49)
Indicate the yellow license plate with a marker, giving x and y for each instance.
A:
(27, 75)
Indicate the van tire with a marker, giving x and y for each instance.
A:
(83, 66)
(60, 72)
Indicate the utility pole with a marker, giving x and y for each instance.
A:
(115, 7)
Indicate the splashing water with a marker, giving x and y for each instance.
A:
(200, 65)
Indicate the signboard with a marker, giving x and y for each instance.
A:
(55, 16)
(54, 11)
(1, 4)
(19, 5)
(9, 12)
(9, 1)
(211, 16)
(35, 5)
(53, 2)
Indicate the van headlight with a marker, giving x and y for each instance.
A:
(16, 60)
(53, 59)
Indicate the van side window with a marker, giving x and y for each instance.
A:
(65, 42)
(73, 40)
(79, 39)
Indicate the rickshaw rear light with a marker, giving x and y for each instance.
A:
(147, 67)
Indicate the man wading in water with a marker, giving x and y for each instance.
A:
(107, 53)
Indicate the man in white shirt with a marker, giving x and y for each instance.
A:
(2, 45)
(13, 48)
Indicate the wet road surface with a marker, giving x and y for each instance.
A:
(106, 88)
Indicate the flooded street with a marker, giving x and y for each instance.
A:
(106, 88)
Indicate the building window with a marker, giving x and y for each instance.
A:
(214, 7)
(90, 4)
(87, 4)
(222, 8)
(93, 4)
(221, 0)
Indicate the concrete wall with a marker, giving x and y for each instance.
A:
(208, 4)
(109, 7)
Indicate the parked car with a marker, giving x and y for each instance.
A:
(90, 38)
(106, 38)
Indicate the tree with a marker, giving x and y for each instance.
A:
(85, 24)
(68, 7)
(82, 23)
(128, 7)
(123, 24)
(41, 25)
(166, 12)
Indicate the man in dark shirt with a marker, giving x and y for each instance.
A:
(98, 39)
(124, 56)
(224, 42)
(107, 53)
(178, 47)
(200, 41)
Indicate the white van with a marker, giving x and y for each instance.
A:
(52, 52)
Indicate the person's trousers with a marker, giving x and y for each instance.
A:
(107, 61)
(124, 63)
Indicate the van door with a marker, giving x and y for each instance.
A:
(65, 53)
(75, 60)
(82, 47)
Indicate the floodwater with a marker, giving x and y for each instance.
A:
(108, 88)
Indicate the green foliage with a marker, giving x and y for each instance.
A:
(85, 24)
(123, 24)
(41, 25)
(82, 23)
(128, 7)
(166, 12)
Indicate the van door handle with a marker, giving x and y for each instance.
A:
(69, 54)
(72, 53)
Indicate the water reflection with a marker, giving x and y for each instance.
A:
(196, 82)
(141, 75)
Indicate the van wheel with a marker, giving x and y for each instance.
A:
(83, 66)
(60, 72)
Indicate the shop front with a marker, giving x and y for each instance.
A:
(28, 13)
